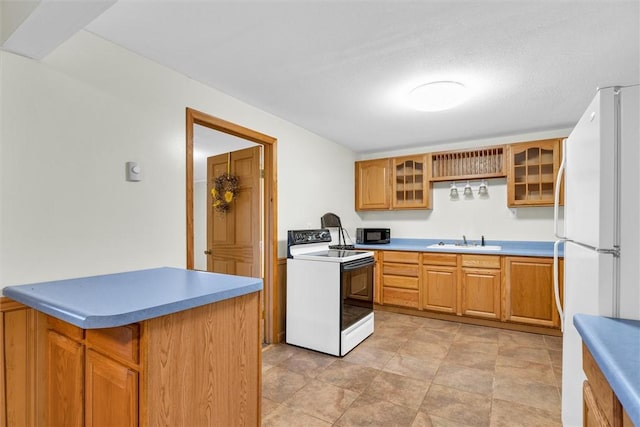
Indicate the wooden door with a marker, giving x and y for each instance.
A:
(111, 393)
(411, 186)
(440, 288)
(533, 168)
(481, 292)
(234, 237)
(65, 379)
(529, 294)
(373, 185)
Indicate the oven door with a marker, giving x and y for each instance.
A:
(356, 280)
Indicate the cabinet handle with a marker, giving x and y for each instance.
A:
(207, 252)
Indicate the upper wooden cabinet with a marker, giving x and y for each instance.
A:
(533, 168)
(410, 179)
(405, 182)
(373, 184)
(395, 183)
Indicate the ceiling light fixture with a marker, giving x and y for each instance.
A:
(437, 96)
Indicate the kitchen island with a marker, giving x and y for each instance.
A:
(162, 346)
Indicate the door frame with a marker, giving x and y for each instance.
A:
(270, 201)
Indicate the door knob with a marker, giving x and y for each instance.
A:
(207, 252)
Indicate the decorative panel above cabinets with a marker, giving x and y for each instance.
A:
(461, 165)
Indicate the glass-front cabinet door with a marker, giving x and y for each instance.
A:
(411, 185)
(532, 173)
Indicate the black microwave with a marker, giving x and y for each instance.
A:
(373, 236)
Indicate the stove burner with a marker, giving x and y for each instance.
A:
(348, 247)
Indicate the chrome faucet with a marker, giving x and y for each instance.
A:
(464, 240)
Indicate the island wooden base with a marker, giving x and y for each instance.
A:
(470, 320)
(204, 365)
(198, 367)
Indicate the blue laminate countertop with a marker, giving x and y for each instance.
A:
(509, 247)
(615, 346)
(122, 298)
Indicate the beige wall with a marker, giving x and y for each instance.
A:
(72, 120)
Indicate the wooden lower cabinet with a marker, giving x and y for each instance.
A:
(64, 405)
(440, 288)
(515, 290)
(440, 282)
(111, 396)
(480, 287)
(88, 388)
(481, 292)
(529, 295)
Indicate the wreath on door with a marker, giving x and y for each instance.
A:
(225, 189)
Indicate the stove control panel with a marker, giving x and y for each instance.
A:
(301, 237)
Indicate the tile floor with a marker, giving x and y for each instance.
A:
(418, 372)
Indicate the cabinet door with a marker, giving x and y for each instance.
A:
(112, 392)
(373, 184)
(411, 186)
(529, 296)
(533, 168)
(592, 415)
(440, 287)
(65, 367)
(481, 293)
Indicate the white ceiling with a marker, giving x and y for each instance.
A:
(339, 68)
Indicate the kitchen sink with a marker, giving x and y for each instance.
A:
(463, 247)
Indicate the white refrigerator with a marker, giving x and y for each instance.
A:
(601, 168)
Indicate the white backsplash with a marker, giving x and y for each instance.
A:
(470, 217)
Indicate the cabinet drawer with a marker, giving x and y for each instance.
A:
(604, 396)
(440, 259)
(64, 328)
(403, 257)
(402, 297)
(401, 269)
(122, 341)
(486, 261)
(400, 282)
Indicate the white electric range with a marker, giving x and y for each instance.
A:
(329, 293)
